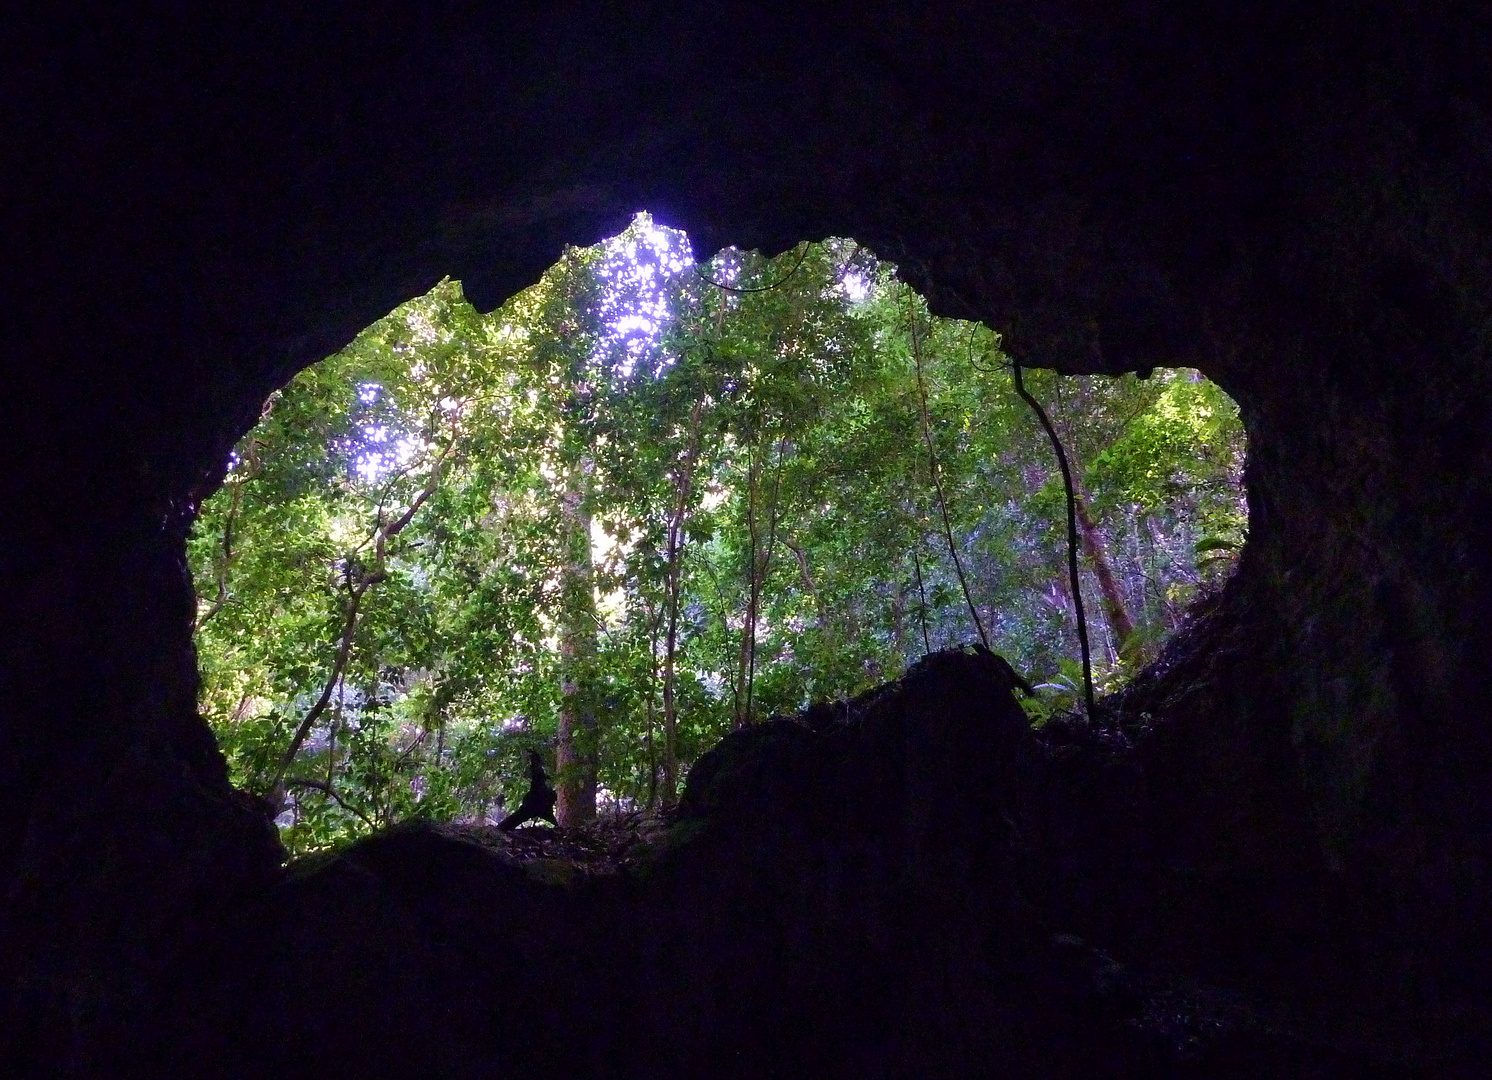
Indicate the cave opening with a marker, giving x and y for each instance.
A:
(650, 500)
(1290, 199)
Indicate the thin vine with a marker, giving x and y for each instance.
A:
(1072, 536)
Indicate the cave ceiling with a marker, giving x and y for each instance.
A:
(216, 202)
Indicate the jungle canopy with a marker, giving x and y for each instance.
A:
(648, 500)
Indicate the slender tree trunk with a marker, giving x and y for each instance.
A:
(745, 656)
(761, 563)
(575, 758)
(821, 610)
(1121, 625)
(336, 726)
(670, 706)
(655, 624)
(921, 599)
(899, 621)
(683, 479)
(353, 602)
(932, 463)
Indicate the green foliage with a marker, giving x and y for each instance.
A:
(786, 390)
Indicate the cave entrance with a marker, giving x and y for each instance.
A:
(648, 500)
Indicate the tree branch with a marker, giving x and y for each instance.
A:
(227, 558)
(326, 789)
(808, 582)
(413, 746)
(356, 591)
(388, 532)
(344, 650)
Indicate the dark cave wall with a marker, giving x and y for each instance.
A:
(1372, 589)
(125, 829)
(1293, 201)
(766, 937)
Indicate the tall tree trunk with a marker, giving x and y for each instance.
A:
(683, 479)
(899, 621)
(759, 559)
(655, 626)
(1096, 548)
(745, 655)
(575, 759)
(757, 567)
(921, 599)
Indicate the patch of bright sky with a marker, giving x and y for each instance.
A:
(855, 286)
(381, 449)
(714, 497)
(382, 454)
(639, 270)
(422, 330)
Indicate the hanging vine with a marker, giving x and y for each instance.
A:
(1072, 536)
